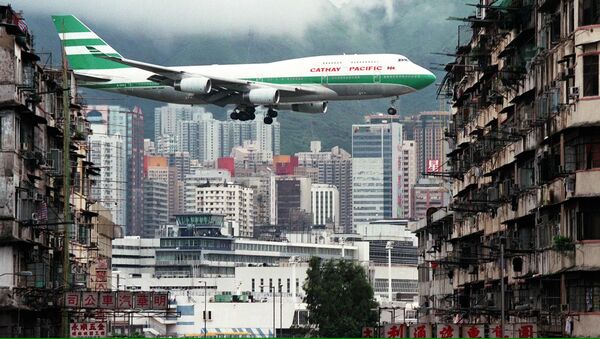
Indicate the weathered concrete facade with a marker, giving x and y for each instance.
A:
(31, 190)
(526, 161)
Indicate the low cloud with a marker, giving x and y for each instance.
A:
(223, 17)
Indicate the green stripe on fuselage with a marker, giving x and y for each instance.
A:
(83, 42)
(413, 81)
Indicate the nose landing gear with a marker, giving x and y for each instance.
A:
(392, 110)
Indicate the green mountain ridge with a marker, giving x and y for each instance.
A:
(416, 31)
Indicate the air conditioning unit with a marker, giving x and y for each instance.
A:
(24, 146)
(570, 185)
(573, 92)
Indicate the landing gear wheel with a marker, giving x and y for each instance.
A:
(250, 109)
(268, 120)
(392, 111)
(251, 116)
(272, 113)
(234, 115)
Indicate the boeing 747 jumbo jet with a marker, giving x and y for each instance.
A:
(300, 85)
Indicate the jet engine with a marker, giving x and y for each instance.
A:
(307, 107)
(262, 96)
(194, 85)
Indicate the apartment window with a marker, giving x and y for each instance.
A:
(209, 315)
(589, 12)
(587, 225)
(270, 284)
(590, 75)
(262, 285)
(584, 294)
(253, 285)
(288, 285)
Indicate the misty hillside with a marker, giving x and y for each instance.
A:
(416, 30)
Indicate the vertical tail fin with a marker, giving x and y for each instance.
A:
(75, 36)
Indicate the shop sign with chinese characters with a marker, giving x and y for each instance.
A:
(88, 330)
(117, 300)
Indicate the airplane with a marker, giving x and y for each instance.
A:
(300, 85)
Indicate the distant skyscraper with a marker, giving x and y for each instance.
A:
(407, 161)
(201, 177)
(261, 187)
(166, 118)
(129, 124)
(107, 152)
(181, 162)
(250, 156)
(428, 193)
(290, 202)
(335, 168)
(375, 169)
(325, 205)
(156, 206)
(236, 133)
(431, 143)
(228, 199)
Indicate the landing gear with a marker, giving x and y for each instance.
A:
(243, 113)
(392, 110)
(272, 113)
(268, 120)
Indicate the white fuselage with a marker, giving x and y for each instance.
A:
(335, 77)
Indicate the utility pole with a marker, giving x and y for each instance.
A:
(502, 292)
(280, 310)
(66, 185)
(389, 245)
(272, 288)
(205, 314)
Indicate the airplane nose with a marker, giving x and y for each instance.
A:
(430, 77)
(426, 78)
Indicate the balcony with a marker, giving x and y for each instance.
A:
(586, 183)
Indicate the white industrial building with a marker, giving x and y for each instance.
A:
(259, 280)
(325, 203)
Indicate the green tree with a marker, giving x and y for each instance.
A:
(339, 298)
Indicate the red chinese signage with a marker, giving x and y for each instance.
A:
(72, 299)
(89, 299)
(473, 331)
(142, 300)
(160, 301)
(447, 331)
(107, 300)
(394, 331)
(368, 332)
(420, 331)
(123, 300)
(88, 330)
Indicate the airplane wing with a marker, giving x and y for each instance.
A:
(167, 76)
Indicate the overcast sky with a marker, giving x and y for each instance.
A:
(264, 17)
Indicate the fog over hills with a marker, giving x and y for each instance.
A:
(237, 31)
